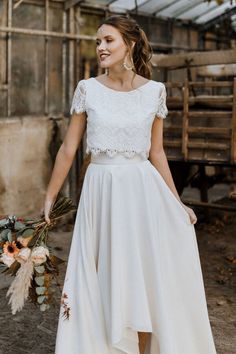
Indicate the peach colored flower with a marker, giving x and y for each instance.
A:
(39, 255)
(10, 248)
(24, 240)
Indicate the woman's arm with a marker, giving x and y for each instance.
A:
(64, 159)
(158, 158)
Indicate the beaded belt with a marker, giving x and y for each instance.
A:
(118, 158)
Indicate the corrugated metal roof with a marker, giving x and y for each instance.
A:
(196, 11)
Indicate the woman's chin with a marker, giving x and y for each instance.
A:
(104, 65)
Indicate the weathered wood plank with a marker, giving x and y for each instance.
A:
(210, 114)
(233, 138)
(211, 99)
(210, 130)
(70, 3)
(170, 84)
(185, 120)
(206, 145)
(173, 143)
(217, 70)
(173, 128)
(211, 83)
(174, 61)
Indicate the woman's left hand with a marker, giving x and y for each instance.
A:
(192, 215)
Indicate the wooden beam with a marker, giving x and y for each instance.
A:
(32, 32)
(185, 120)
(210, 114)
(71, 3)
(176, 61)
(210, 205)
(217, 70)
(210, 130)
(206, 145)
(211, 83)
(233, 139)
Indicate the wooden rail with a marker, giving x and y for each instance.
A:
(196, 129)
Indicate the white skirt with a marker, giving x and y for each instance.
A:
(133, 266)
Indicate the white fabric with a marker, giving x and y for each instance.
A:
(119, 121)
(134, 264)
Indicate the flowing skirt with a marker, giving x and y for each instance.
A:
(133, 267)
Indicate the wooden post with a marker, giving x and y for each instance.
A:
(233, 136)
(64, 44)
(185, 119)
(9, 55)
(46, 58)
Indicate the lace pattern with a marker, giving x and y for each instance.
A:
(119, 122)
(79, 98)
(162, 110)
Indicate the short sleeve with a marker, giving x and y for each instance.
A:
(79, 99)
(162, 110)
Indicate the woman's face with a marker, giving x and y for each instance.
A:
(111, 48)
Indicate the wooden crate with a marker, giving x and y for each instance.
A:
(201, 126)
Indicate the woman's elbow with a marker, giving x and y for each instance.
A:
(156, 155)
(68, 152)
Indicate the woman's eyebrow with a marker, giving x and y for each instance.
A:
(108, 35)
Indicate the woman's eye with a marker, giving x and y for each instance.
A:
(108, 40)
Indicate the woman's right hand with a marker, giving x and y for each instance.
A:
(48, 204)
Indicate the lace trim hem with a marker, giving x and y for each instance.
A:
(113, 152)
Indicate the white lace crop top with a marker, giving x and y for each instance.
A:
(119, 121)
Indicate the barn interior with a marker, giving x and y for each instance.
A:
(46, 47)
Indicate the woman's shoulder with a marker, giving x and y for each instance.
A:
(82, 85)
(158, 84)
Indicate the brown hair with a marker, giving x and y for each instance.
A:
(131, 31)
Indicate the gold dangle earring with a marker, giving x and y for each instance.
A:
(126, 66)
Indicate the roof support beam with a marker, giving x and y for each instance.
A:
(218, 19)
(205, 13)
(164, 7)
(187, 8)
(71, 3)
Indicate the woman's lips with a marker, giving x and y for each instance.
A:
(103, 56)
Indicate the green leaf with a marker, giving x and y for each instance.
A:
(40, 269)
(41, 299)
(19, 225)
(3, 234)
(9, 236)
(33, 240)
(3, 222)
(44, 307)
(39, 280)
(40, 290)
(27, 232)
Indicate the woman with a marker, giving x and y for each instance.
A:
(133, 282)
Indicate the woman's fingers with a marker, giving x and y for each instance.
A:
(192, 215)
(47, 208)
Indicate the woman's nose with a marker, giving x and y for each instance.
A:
(101, 46)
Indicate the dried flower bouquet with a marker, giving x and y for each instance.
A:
(26, 256)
